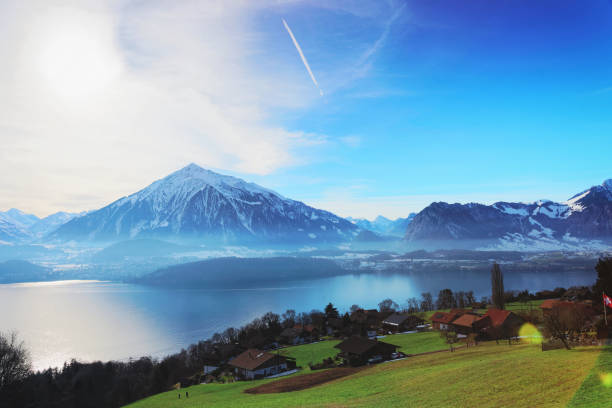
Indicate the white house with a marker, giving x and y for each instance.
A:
(255, 363)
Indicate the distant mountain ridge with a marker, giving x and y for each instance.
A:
(587, 215)
(384, 226)
(17, 226)
(199, 203)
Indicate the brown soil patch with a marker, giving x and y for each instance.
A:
(302, 382)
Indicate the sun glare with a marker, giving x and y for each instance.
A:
(529, 333)
(76, 55)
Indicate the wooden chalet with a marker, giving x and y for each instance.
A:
(255, 363)
(357, 350)
(498, 323)
(464, 324)
(401, 322)
(443, 320)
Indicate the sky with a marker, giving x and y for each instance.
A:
(388, 106)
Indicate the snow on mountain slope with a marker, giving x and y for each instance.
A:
(585, 216)
(18, 218)
(384, 226)
(10, 233)
(50, 223)
(194, 202)
(14, 225)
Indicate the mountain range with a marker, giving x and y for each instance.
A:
(585, 216)
(15, 225)
(205, 206)
(384, 226)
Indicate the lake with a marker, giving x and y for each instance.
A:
(90, 320)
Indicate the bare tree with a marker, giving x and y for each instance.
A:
(469, 298)
(565, 322)
(497, 287)
(427, 303)
(388, 305)
(446, 299)
(450, 338)
(289, 318)
(15, 362)
(413, 305)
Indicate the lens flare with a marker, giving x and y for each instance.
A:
(530, 333)
(606, 379)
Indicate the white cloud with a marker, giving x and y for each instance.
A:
(97, 100)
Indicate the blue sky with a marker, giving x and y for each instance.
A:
(423, 101)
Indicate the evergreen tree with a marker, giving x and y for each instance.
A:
(497, 286)
(331, 311)
(603, 284)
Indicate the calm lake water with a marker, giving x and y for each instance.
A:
(91, 320)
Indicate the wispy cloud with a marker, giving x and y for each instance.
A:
(365, 61)
(299, 50)
(603, 91)
(185, 87)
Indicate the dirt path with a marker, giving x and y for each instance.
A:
(301, 382)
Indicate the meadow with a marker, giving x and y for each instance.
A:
(489, 375)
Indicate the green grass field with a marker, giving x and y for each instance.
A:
(311, 353)
(489, 375)
(412, 343)
(598, 385)
(415, 343)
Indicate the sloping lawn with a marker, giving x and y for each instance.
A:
(596, 390)
(311, 353)
(489, 375)
(415, 343)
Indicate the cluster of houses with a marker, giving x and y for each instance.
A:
(494, 324)
(362, 328)
(359, 347)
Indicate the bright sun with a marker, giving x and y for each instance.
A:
(77, 56)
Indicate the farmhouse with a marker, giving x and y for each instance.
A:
(497, 323)
(548, 304)
(357, 350)
(442, 320)
(464, 324)
(255, 363)
(400, 322)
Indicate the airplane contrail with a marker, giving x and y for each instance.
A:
(299, 49)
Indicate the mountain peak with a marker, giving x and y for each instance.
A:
(193, 178)
(607, 184)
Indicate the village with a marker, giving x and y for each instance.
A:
(264, 349)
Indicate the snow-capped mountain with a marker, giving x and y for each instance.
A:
(18, 218)
(587, 215)
(14, 225)
(194, 202)
(50, 223)
(384, 226)
(17, 226)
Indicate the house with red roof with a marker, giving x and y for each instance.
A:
(498, 323)
(464, 324)
(443, 320)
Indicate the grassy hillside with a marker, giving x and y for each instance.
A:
(412, 343)
(311, 353)
(598, 385)
(415, 343)
(489, 375)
